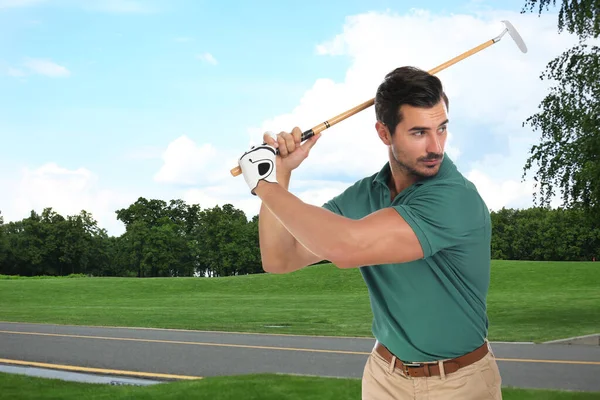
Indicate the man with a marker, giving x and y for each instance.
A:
(417, 229)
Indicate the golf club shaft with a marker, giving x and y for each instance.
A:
(329, 123)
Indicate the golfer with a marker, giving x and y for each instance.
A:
(417, 229)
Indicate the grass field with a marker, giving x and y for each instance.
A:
(528, 301)
(247, 387)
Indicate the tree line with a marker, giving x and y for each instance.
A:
(175, 239)
(160, 240)
(544, 234)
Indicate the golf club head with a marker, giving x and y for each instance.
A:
(516, 37)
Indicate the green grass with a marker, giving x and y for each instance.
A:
(528, 301)
(247, 387)
(540, 301)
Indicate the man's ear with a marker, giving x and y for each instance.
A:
(384, 133)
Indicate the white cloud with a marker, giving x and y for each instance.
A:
(207, 57)
(46, 68)
(66, 192)
(315, 191)
(498, 194)
(185, 163)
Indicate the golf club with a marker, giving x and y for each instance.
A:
(509, 28)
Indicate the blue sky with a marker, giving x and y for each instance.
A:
(93, 97)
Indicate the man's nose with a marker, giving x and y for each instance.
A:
(434, 144)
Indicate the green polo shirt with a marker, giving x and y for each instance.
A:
(432, 308)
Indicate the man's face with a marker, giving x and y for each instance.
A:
(419, 140)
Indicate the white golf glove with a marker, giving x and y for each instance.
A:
(258, 164)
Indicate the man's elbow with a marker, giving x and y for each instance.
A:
(279, 266)
(346, 253)
(345, 263)
(274, 268)
(343, 259)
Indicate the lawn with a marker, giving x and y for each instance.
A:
(247, 387)
(528, 301)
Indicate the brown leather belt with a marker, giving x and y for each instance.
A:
(421, 369)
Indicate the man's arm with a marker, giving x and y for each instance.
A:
(442, 217)
(380, 238)
(280, 251)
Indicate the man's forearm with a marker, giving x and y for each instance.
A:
(331, 241)
(277, 244)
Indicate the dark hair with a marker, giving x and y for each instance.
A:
(406, 85)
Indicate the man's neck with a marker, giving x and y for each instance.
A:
(400, 179)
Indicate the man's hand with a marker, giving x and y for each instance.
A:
(258, 164)
(291, 151)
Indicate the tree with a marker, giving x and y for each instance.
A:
(83, 245)
(569, 120)
(543, 234)
(226, 243)
(161, 240)
(149, 211)
(157, 238)
(3, 243)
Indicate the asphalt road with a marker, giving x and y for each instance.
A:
(177, 354)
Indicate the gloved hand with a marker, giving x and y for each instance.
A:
(258, 164)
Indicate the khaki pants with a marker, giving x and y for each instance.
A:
(478, 381)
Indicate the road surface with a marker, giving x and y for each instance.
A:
(177, 354)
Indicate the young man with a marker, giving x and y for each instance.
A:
(417, 229)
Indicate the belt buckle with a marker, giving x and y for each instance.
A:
(407, 365)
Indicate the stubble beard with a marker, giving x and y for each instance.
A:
(413, 172)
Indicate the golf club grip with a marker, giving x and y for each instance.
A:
(305, 135)
(329, 123)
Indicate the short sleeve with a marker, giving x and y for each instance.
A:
(332, 206)
(445, 216)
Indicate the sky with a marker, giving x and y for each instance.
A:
(106, 101)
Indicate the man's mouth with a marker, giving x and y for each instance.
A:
(431, 161)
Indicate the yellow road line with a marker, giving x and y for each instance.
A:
(526, 360)
(97, 370)
(192, 330)
(245, 346)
